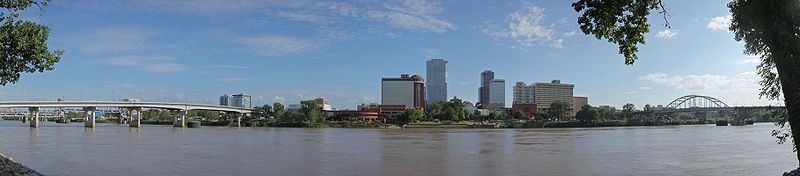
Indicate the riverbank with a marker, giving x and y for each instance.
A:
(10, 167)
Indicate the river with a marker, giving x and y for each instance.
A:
(111, 149)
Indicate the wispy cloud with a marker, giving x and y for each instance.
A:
(116, 39)
(274, 45)
(645, 88)
(720, 22)
(152, 64)
(232, 79)
(742, 82)
(527, 27)
(412, 14)
(667, 34)
(431, 53)
(750, 59)
(341, 100)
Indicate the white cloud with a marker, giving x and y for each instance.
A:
(742, 82)
(667, 34)
(569, 34)
(279, 99)
(274, 45)
(412, 14)
(526, 26)
(720, 22)
(645, 88)
(303, 17)
(232, 79)
(152, 64)
(117, 39)
(164, 67)
(750, 59)
(430, 52)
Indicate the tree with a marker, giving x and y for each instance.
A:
(410, 115)
(701, 116)
(648, 108)
(520, 115)
(24, 43)
(278, 110)
(558, 109)
(311, 110)
(768, 28)
(587, 114)
(627, 110)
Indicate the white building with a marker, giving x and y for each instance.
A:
(523, 94)
(497, 93)
(237, 100)
(547, 93)
(409, 91)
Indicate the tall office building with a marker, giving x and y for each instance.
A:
(547, 93)
(237, 100)
(436, 80)
(241, 100)
(225, 100)
(497, 93)
(408, 91)
(523, 94)
(483, 91)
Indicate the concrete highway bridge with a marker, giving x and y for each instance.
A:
(696, 103)
(132, 108)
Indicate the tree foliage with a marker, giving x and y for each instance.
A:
(587, 114)
(410, 115)
(310, 109)
(449, 110)
(558, 109)
(24, 43)
(620, 22)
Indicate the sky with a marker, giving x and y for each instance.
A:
(288, 51)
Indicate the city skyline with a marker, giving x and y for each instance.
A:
(292, 51)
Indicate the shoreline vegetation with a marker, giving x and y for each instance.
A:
(429, 124)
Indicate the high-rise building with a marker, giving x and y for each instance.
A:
(523, 94)
(241, 100)
(483, 91)
(225, 100)
(238, 100)
(497, 93)
(408, 91)
(547, 93)
(577, 104)
(436, 80)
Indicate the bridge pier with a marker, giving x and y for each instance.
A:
(89, 122)
(178, 118)
(34, 113)
(235, 121)
(135, 114)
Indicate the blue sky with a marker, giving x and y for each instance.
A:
(287, 51)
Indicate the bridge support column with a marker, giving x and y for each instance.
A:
(178, 118)
(235, 121)
(89, 110)
(135, 114)
(34, 113)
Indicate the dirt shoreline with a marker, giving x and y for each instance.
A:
(10, 167)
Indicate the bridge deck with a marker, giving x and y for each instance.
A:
(162, 105)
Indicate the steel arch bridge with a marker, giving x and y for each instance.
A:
(694, 103)
(691, 103)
